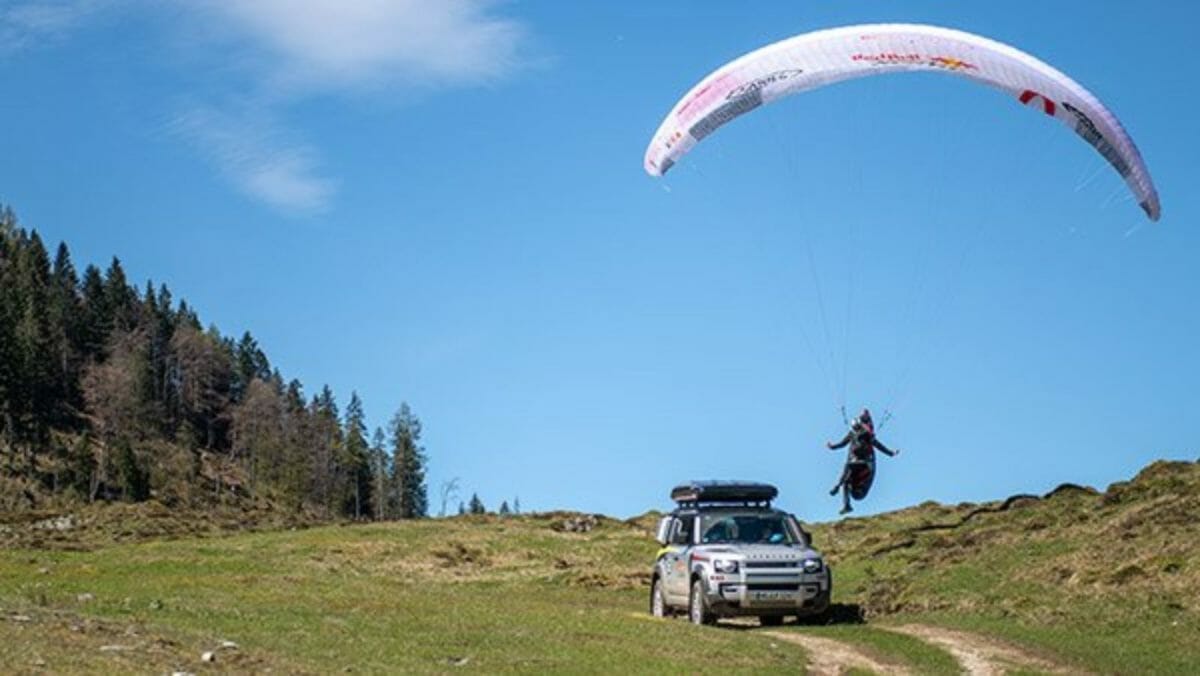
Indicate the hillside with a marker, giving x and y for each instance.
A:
(1078, 580)
(1108, 580)
(111, 393)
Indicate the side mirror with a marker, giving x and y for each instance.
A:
(664, 530)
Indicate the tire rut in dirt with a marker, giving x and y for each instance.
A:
(982, 655)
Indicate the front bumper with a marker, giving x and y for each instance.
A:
(767, 592)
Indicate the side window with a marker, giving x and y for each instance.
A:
(682, 534)
(798, 532)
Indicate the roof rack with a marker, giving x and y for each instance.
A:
(698, 494)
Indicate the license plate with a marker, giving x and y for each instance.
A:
(772, 596)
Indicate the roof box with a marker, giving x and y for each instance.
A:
(724, 492)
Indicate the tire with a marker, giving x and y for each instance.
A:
(658, 603)
(817, 619)
(770, 620)
(698, 611)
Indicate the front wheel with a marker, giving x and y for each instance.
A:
(658, 605)
(698, 611)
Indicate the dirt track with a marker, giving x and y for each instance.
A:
(829, 657)
(976, 654)
(980, 655)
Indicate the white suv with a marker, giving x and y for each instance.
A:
(726, 552)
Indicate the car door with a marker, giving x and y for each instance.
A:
(667, 563)
(675, 561)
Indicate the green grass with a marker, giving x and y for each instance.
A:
(378, 598)
(1096, 638)
(1105, 583)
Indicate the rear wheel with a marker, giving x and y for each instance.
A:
(658, 604)
(698, 611)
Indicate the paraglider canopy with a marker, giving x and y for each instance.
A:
(824, 57)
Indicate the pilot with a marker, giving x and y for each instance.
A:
(860, 461)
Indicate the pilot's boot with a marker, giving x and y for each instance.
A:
(846, 508)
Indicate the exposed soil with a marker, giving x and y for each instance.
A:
(829, 657)
(981, 655)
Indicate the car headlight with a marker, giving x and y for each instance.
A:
(723, 566)
(812, 565)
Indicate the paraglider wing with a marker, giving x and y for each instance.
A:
(824, 57)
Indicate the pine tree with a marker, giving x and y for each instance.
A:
(356, 459)
(504, 510)
(156, 331)
(135, 480)
(381, 470)
(408, 465)
(251, 362)
(186, 316)
(325, 442)
(297, 469)
(64, 315)
(462, 508)
(476, 506)
(9, 353)
(120, 300)
(37, 380)
(96, 320)
(79, 468)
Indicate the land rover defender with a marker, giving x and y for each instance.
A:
(726, 552)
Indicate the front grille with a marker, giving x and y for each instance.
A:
(772, 564)
(773, 586)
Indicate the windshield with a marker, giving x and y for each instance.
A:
(745, 528)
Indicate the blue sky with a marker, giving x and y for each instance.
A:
(443, 203)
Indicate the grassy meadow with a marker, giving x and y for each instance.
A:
(1096, 582)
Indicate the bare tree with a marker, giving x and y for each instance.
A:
(449, 493)
(258, 431)
(203, 372)
(113, 396)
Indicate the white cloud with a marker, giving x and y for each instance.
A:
(34, 23)
(291, 50)
(248, 149)
(320, 45)
(295, 49)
